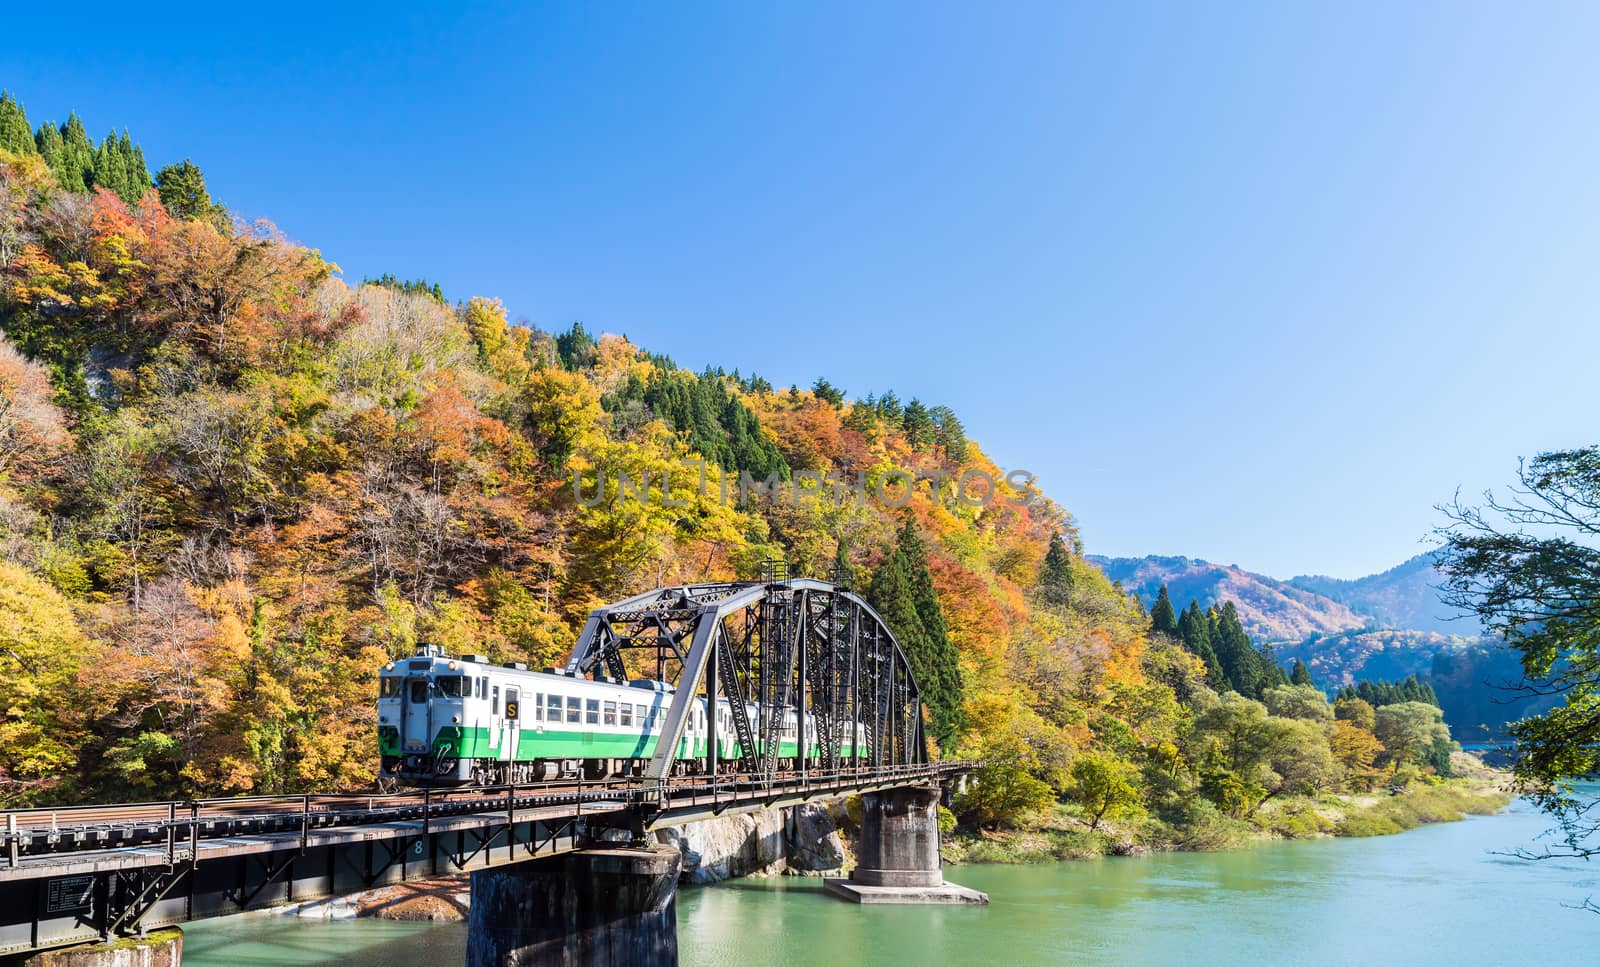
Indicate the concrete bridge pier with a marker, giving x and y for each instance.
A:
(593, 906)
(159, 948)
(898, 860)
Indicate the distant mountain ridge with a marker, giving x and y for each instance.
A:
(1383, 626)
(1404, 597)
(1270, 610)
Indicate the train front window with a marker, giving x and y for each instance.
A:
(390, 687)
(419, 690)
(449, 685)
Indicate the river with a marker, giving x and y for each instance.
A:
(1442, 894)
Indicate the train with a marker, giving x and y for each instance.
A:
(446, 721)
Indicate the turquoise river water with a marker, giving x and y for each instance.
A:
(1444, 894)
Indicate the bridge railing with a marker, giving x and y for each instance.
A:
(180, 825)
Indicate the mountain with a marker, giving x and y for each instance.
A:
(1405, 596)
(1384, 626)
(1271, 610)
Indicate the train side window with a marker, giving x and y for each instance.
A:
(642, 715)
(513, 699)
(625, 715)
(553, 705)
(611, 713)
(494, 701)
(483, 688)
(592, 712)
(574, 708)
(538, 706)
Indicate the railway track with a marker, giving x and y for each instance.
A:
(177, 824)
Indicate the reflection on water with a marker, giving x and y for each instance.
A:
(1437, 895)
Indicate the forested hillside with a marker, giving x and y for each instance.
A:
(233, 485)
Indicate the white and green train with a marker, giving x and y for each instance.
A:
(446, 721)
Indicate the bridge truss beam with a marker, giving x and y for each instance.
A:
(808, 647)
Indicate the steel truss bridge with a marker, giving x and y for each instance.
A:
(79, 874)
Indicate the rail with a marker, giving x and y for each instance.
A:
(179, 825)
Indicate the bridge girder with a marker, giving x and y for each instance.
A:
(800, 645)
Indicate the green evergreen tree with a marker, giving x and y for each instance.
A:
(1239, 659)
(183, 191)
(52, 149)
(1301, 675)
(110, 167)
(77, 160)
(949, 434)
(1055, 575)
(828, 393)
(1194, 627)
(902, 592)
(16, 136)
(1162, 617)
(918, 425)
(140, 172)
(890, 410)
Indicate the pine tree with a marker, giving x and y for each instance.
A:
(52, 149)
(183, 191)
(1301, 675)
(141, 176)
(110, 167)
(1055, 575)
(1238, 657)
(15, 134)
(903, 594)
(77, 160)
(1162, 618)
(1194, 627)
(918, 425)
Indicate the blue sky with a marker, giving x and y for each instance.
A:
(1249, 283)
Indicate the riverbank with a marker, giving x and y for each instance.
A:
(1063, 833)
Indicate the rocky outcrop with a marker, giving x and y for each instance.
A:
(811, 837)
(752, 844)
(802, 840)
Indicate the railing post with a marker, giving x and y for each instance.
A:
(13, 847)
(194, 833)
(172, 834)
(305, 821)
(427, 807)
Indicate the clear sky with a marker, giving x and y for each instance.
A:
(1252, 283)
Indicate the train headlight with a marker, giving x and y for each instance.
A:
(389, 667)
(452, 666)
(455, 720)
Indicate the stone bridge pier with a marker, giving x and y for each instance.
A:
(898, 860)
(610, 906)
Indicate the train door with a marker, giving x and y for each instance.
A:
(416, 730)
(513, 722)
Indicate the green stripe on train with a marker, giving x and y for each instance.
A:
(473, 743)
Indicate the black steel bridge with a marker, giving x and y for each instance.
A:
(89, 873)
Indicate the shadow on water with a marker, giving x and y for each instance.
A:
(1436, 895)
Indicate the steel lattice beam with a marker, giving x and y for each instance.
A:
(803, 646)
